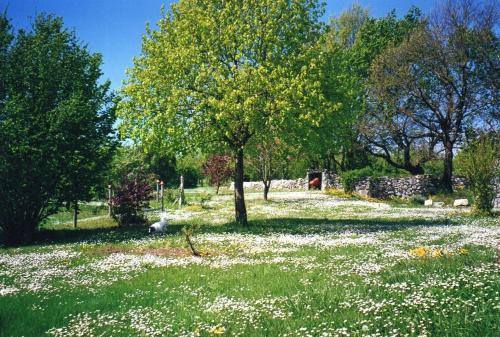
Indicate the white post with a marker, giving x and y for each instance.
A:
(110, 206)
(161, 189)
(181, 192)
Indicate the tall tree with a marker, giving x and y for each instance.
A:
(6, 37)
(55, 126)
(217, 72)
(353, 41)
(343, 86)
(445, 75)
(384, 128)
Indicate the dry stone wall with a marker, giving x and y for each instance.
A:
(379, 187)
(297, 184)
(376, 187)
(386, 187)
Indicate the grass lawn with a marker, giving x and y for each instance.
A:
(309, 264)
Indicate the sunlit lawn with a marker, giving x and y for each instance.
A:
(308, 264)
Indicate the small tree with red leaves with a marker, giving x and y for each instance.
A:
(130, 199)
(218, 170)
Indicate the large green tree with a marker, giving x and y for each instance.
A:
(56, 122)
(353, 41)
(444, 77)
(216, 73)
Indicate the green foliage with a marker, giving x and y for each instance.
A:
(164, 167)
(434, 167)
(191, 168)
(132, 159)
(56, 120)
(170, 195)
(480, 162)
(191, 176)
(352, 43)
(380, 167)
(417, 200)
(442, 77)
(350, 178)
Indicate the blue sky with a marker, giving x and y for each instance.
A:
(114, 27)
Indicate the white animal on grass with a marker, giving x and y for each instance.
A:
(160, 226)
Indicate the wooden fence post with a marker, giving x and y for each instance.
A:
(162, 204)
(157, 190)
(110, 206)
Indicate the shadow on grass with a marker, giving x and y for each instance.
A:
(116, 235)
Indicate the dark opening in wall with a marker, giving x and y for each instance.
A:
(314, 180)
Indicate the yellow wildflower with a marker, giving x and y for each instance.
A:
(218, 330)
(420, 251)
(463, 251)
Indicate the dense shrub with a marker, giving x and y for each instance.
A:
(191, 176)
(434, 167)
(349, 178)
(379, 167)
(130, 199)
(480, 162)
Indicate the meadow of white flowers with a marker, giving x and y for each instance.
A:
(349, 260)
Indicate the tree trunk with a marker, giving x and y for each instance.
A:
(217, 190)
(182, 198)
(446, 182)
(75, 214)
(239, 197)
(267, 185)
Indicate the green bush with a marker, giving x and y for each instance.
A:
(380, 167)
(417, 200)
(350, 178)
(434, 167)
(480, 162)
(191, 177)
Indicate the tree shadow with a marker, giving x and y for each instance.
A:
(324, 226)
(117, 235)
